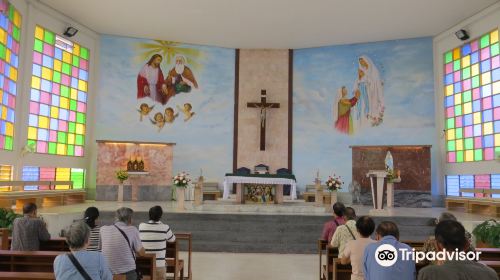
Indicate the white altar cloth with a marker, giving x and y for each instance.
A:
(229, 180)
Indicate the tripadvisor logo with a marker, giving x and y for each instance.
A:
(386, 255)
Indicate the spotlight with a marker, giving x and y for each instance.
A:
(462, 34)
(70, 32)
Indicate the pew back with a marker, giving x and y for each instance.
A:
(489, 254)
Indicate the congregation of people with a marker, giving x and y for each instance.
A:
(98, 251)
(104, 251)
(353, 237)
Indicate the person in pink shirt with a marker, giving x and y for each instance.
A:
(338, 219)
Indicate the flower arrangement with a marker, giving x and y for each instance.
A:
(488, 232)
(121, 175)
(181, 180)
(334, 183)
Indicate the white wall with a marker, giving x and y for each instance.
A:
(477, 25)
(33, 13)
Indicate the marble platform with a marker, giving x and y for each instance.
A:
(144, 193)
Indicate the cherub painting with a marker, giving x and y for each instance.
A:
(159, 121)
(170, 115)
(144, 110)
(186, 110)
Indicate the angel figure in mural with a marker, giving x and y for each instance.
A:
(342, 111)
(180, 78)
(370, 108)
(170, 115)
(150, 81)
(159, 121)
(186, 110)
(144, 110)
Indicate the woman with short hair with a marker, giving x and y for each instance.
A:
(80, 263)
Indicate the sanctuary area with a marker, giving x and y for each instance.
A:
(277, 139)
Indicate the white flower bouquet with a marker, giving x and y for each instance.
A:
(334, 183)
(181, 180)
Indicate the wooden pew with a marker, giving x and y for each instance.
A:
(493, 264)
(328, 270)
(489, 254)
(27, 275)
(4, 239)
(57, 244)
(321, 250)
(186, 237)
(43, 261)
(332, 253)
(344, 271)
(174, 264)
(341, 271)
(418, 245)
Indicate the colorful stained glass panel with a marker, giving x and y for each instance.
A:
(59, 88)
(472, 99)
(10, 28)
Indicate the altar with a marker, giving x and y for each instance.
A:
(267, 182)
(150, 180)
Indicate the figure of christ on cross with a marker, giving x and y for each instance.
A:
(263, 106)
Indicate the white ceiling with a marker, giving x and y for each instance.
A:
(270, 23)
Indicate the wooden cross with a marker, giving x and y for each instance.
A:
(263, 107)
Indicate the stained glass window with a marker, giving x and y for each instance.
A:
(35, 173)
(5, 175)
(10, 34)
(472, 100)
(58, 98)
(480, 181)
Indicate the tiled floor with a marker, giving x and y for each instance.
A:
(231, 266)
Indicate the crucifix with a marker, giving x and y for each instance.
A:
(263, 105)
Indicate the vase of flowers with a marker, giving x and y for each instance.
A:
(181, 182)
(487, 234)
(121, 175)
(333, 184)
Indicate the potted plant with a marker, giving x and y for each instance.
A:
(487, 234)
(121, 175)
(7, 217)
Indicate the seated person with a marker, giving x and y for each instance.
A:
(450, 236)
(93, 263)
(120, 243)
(354, 249)
(29, 230)
(90, 217)
(430, 244)
(345, 232)
(387, 233)
(153, 235)
(338, 219)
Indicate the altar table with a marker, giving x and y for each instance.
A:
(267, 179)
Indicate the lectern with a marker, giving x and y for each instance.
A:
(378, 191)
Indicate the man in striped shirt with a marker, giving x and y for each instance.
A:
(154, 237)
(121, 251)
